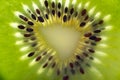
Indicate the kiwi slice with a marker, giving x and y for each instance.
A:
(104, 55)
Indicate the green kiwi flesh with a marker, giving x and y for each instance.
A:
(31, 68)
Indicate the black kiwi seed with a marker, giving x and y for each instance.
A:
(71, 65)
(46, 15)
(21, 27)
(65, 16)
(100, 22)
(66, 77)
(53, 5)
(59, 14)
(97, 31)
(53, 12)
(53, 65)
(85, 54)
(38, 58)
(92, 37)
(45, 65)
(86, 18)
(28, 10)
(40, 19)
(59, 5)
(34, 44)
(50, 58)
(79, 58)
(69, 17)
(91, 58)
(37, 11)
(91, 50)
(82, 24)
(23, 17)
(46, 3)
(44, 53)
(30, 23)
(29, 29)
(27, 35)
(31, 54)
(33, 16)
(98, 39)
(84, 11)
(66, 9)
(76, 13)
(72, 10)
(87, 34)
(82, 70)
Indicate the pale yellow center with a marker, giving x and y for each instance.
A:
(66, 39)
(63, 39)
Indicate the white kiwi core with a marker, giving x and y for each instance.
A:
(63, 39)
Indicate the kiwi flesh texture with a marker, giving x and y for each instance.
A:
(109, 69)
(59, 32)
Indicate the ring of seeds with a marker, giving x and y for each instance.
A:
(56, 15)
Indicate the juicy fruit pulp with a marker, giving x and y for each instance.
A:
(62, 37)
(102, 69)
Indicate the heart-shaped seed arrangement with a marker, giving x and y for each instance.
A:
(61, 36)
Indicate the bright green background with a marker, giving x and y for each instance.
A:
(11, 68)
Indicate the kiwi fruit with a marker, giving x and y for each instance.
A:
(94, 57)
